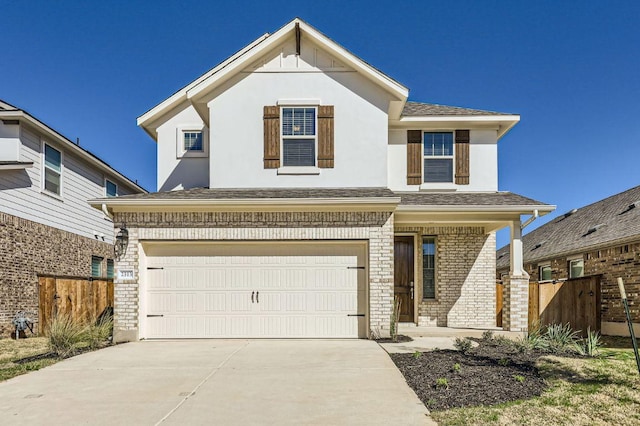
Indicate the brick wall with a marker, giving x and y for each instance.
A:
(612, 262)
(465, 280)
(376, 227)
(29, 249)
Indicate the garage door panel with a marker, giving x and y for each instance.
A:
(304, 290)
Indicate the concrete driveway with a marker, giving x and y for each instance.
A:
(222, 382)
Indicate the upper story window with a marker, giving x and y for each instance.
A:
(111, 189)
(192, 141)
(52, 169)
(438, 156)
(299, 137)
(576, 268)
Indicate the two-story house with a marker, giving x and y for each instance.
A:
(300, 193)
(46, 225)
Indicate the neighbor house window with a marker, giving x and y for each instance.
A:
(298, 137)
(428, 268)
(111, 189)
(545, 273)
(110, 268)
(438, 157)
(96, 266)
(192, 141)
(576, 268)
(52, 169)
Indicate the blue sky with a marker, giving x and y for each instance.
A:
(570, 68)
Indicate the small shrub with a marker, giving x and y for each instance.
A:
(442, 383)
(417, 354)
(533, 339)
(463, 345)
(503, 362)
(65, 335)
(456, 367)
(519, 378)
(98, 331)
(560, 338)
(488, 336)
(591, 344)
(395, 318)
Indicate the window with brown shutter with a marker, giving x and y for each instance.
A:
(414, 157)
(271, 120)
(462, 157)
(325, 137)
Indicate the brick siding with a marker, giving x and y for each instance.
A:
(465, 283)
(29, 249)
(376, 227)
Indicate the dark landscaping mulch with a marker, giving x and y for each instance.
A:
(48, 355)
(400, 338)
(489, 374)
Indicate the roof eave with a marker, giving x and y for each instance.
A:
(542, 209)
(504, 122)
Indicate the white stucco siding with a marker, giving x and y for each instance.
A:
(176, 172)
(21, 192)
(483, 163)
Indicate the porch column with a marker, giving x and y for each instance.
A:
(516, 289)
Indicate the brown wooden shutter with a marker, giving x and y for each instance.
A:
(325, 136)
(271, 137)
(462, 157)
(414, 157)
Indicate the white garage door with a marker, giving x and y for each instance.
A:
(256, 290)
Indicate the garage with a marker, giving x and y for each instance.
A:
(312, 289)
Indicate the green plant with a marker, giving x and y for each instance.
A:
(591, 344)
(442, 382)
(456, 367)
(519, 378)
(65, 335)
(503, 362)
(395, 318)
(417, 354)
(463, 345)
(98, 331)
(560, 338)
(533, 339)
(487, 336)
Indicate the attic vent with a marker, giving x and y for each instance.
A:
(537, 246)
(567, 214)
(632, 206)
(594, 229)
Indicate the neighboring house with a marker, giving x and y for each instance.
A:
(300, 192)
(602, 238)
(46, 225)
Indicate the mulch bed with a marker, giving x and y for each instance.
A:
(400, 338)
(489, 374)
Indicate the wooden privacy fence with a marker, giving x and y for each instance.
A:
(576, 302)
(82, 298)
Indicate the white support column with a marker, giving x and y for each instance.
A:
(516, 289)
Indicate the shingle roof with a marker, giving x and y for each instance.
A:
(569, 233)
(466, 199)
(258, 193)
(419, 109)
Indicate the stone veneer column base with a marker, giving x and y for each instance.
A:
(516, 303)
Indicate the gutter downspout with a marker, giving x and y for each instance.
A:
(105, 210)
(524, 225)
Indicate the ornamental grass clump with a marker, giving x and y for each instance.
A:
(65, 335)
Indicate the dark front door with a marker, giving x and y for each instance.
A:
(403, 276)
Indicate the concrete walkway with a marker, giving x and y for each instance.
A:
(226, 382)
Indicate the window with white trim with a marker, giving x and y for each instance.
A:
(299, 136)
(52, 169)
(438, 157)
(111, 189)
(544, 273)
(576, 268)
(428, 267)
(192, 141)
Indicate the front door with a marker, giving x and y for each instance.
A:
(403, 276)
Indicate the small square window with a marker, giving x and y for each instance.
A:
(545, 273)
(111, 189)
(96, 266)
(192, 141)
(576, 268)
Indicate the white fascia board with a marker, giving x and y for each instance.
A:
(116, 203)
(90, 158)
(16, 166)
(181, 95)
(517, 209)
(503, 123)
(204, 86)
